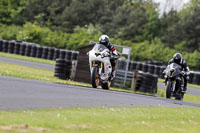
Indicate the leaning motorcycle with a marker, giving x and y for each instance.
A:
(100, 66)
(173, 78)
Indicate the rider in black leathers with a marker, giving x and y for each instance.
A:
(104, 39)
(177, 58)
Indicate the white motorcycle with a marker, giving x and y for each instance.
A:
(100, 66)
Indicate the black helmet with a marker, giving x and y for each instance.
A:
(177, 58)
(104, 39)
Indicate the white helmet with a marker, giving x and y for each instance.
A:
(104, 39)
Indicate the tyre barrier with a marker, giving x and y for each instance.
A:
(139, 66)
(121, 65)
(28, 50)
(196, 79)
(39, 52)
(1, 45)
(56, 54)
(45, 52)
(74, 55)
(68, 55)
(11, 46)
(157, 63)
(62, 54)
(162, 68)
(151, 69)
(33, 51)
(133, 66)
(146, 82)
(51, 53)
(145, 67)
(17, 48)
(22, 49)
(157, 71)
(62, 69)
(5, 46)
(191, 77)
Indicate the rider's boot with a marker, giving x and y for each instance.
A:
(113, 74)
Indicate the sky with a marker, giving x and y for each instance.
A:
(166, 5)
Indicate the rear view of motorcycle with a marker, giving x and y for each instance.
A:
(174, 81)
(100, 66)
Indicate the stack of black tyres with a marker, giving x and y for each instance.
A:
(146, 83)
(145, 67)
(28, 50)
(17, 48)
(39, 52)
(157, 71)
(22, 49)
(11, 46)
(191, 77)
(74, 55)
(162, 68)
(5, 46)
(62, 54)
(33, 51)
(56, 54)
(45, 52)
(151, 69)
(62, 69)
(68, 55)
(139, 66)
(196, 79)
(1, 45)
(51, 53)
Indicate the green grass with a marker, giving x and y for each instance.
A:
(189, 85)
(102, 120)
(14, 56)
(187, 97)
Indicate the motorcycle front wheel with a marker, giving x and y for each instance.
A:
(95, 77)
(169, 89)
(106, 86)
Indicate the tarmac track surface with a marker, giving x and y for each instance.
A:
(190, 90)
(19, 94)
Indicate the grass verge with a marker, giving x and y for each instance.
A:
(187, 97)
(189, 85)
(19, 57)
(102, 120)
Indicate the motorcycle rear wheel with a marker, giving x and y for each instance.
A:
(95, 77)
(169, 89)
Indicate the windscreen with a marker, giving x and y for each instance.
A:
(99, 47)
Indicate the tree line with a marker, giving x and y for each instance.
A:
(55, 22)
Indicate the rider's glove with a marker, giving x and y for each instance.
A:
(114, 52)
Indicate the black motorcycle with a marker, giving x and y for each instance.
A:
(173, 80)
